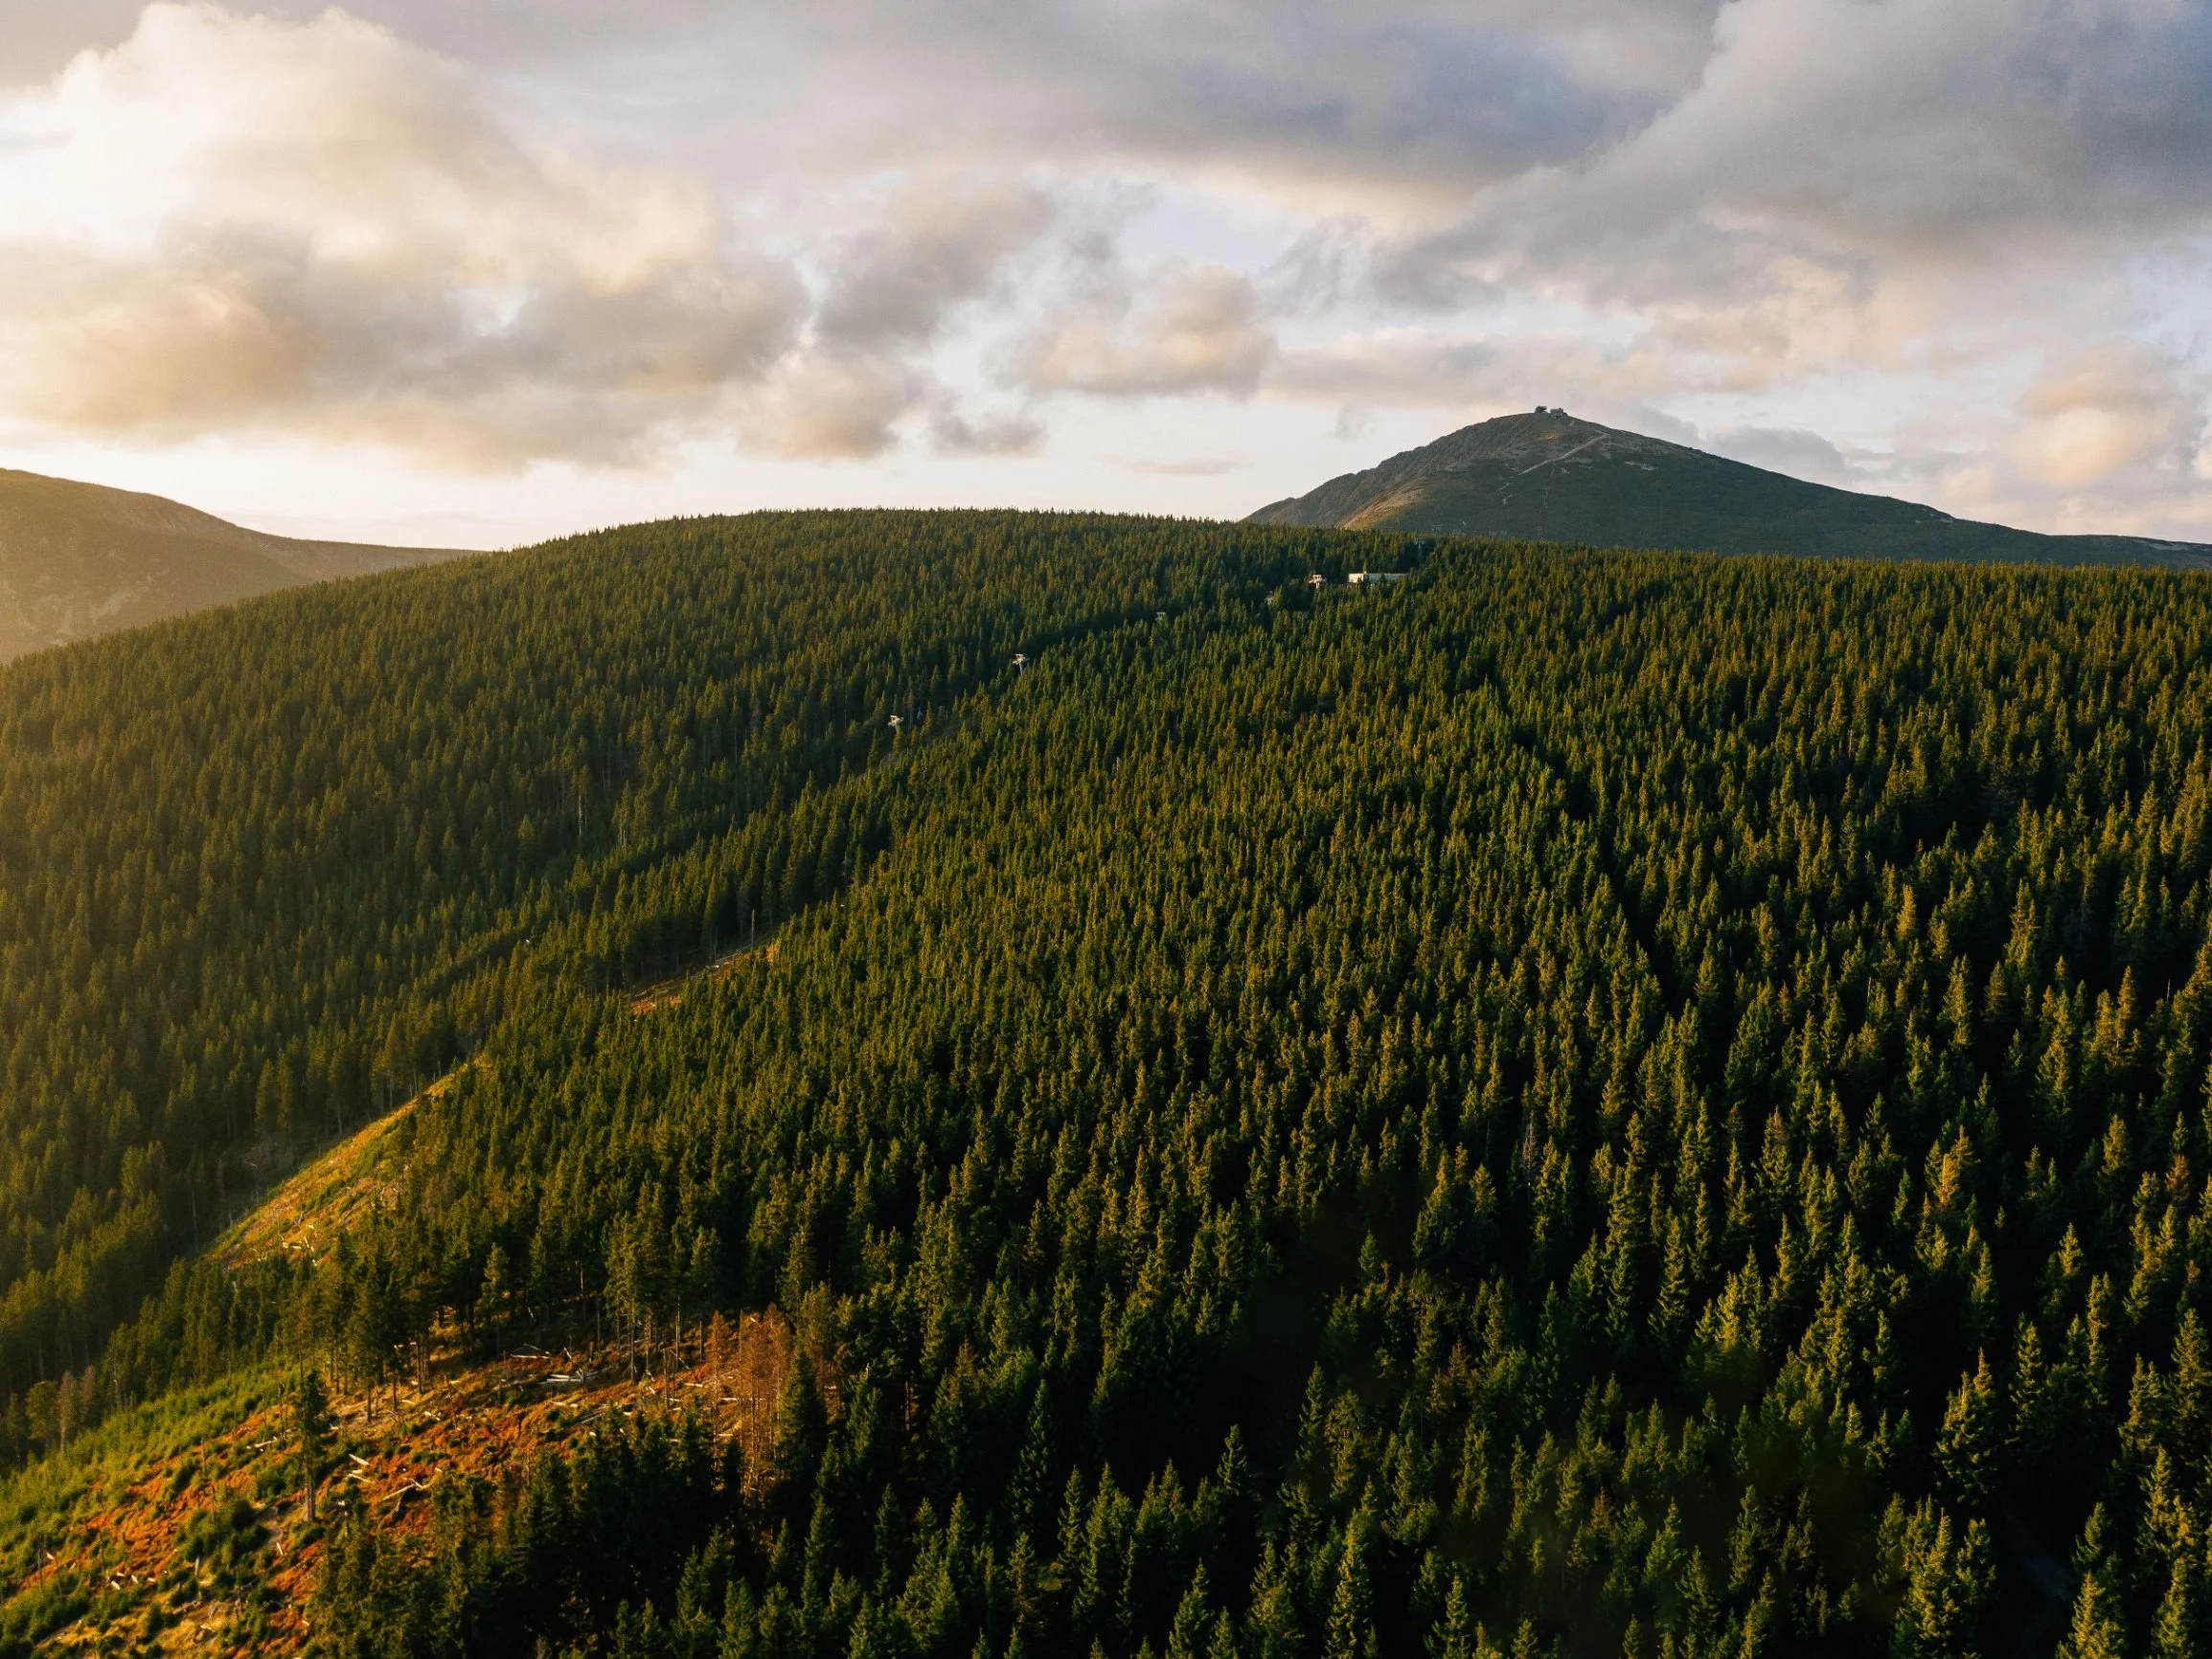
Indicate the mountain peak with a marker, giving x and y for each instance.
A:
(1535, 440)
(1552, 476)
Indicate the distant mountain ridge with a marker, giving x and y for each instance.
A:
(1550, 477)
(80, 559)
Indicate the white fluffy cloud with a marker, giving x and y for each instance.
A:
(2100, 411)
(1178, 329)
(232, 222)
(235, 223)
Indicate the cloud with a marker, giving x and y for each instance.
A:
(933, 247)
(828, 405)
(1846, 179)
(868, 224)
(1199, 466)
(1416, 367)
(936, 245)
(1434, 94)
(1413, 98)
(2103, 410)
(1790, 450)
(1923, 123)
(955, 432)
(1397, 368)
(1181, 328)
(233, 223)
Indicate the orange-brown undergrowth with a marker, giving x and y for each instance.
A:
(466, 1415)
(394, 1447)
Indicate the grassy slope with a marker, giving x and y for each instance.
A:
(315, 1205)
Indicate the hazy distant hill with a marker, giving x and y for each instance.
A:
(1552, 477)
(78, 559)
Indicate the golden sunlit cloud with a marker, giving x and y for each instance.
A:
(238, 222)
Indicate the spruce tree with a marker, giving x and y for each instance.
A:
(312, 1433)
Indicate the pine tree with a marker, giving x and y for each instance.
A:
(1623, 911)
(2173, 1627)
(1276, 1629)
(311, 1430)
(1192, 1627)
(1453, 1636)
(1351, 1632)
(1030, 1488)
(802, 1427)
(2095, 1631)
(1967, 1448)
(1948, 1577)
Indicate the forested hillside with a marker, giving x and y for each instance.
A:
(264, 872)
(1583, 1104)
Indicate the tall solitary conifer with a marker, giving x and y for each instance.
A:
(311, 1429)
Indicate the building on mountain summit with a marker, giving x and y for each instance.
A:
(1357, 577)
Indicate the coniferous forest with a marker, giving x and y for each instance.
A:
(1580, 1103)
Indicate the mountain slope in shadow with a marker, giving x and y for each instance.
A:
(80, 559)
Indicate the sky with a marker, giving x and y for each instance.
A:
(477, 272)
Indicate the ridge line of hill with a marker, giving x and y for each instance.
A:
(78, 560)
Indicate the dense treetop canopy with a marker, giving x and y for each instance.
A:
(1595, 1103)
(260, 870)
